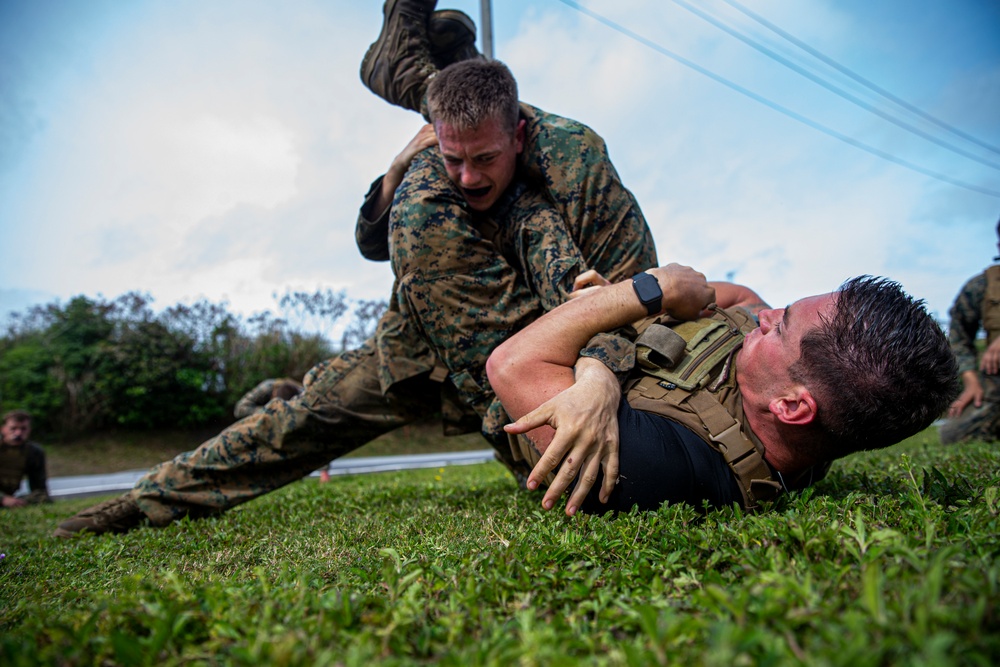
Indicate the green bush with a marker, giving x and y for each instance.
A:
(93, 363)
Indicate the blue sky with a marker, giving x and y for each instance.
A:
(221, 149)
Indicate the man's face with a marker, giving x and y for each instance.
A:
(770, 350)
(481, 162)
(15, 432)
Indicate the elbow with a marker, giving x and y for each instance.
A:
(500, 366)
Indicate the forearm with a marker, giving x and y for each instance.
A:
(731, 295)
(382, 199)
(371, 232)
(555, 339)
(970, 381)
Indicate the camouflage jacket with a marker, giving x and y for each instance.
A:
(566, 212)
(966, 320)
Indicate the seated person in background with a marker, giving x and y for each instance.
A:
(857, 369)
(255, 399)
(20, 458)
(975, 414)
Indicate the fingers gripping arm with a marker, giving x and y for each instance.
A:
(532, 370)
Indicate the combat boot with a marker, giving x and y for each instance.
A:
(452, 37)
(118, 515)
(398, 64)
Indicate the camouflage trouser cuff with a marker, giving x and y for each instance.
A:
(159, 515)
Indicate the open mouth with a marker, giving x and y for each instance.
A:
(476, 193)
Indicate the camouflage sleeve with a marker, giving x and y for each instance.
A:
(550, 259)
(372, 230)
(35, 470)
(614, 350)
(254, 400)
(966, 317)
(571, 163)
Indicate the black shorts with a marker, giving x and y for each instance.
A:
(662, 461)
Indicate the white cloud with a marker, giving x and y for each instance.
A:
(223, 149)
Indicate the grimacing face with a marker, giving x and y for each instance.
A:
(15, 432)
(771, 349)
(481, 162)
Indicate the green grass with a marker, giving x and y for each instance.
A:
(892, 560)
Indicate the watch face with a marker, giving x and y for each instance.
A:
(649, 292)
(647, 288)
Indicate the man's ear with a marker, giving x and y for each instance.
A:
(797, 407)
(519, 135)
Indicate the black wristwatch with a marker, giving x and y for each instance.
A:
(648, 290)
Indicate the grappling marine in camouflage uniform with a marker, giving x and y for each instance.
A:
(464, 281)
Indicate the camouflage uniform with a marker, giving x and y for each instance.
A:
(258, 397)
(459, 298)
(464, 282)
(982, 423)
(19, 461)
(255, 399)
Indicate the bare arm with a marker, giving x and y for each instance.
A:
(972, 392)
(532, 371)
(730, 295)
(727, 295)
(425, 138)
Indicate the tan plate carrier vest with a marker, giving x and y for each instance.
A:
(991, 304)
(687, 378)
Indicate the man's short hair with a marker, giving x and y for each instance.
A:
(469, 92)
(17, 416)
(880, 368)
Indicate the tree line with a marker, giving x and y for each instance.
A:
(95, 363)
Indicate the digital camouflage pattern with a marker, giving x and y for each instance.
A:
(566, 212)
(982, 423)
(342, 408)
(255, 399)
(464, 282)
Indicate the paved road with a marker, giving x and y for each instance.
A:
(88, 485)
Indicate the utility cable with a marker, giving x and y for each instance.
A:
(832, 88)
(857, 77)
(777, 107)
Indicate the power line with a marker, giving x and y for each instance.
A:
(832, 88)
(857, 77)
(777, 107)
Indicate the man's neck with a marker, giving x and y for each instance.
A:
(778, 439)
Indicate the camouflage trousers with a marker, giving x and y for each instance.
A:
(982, 423)
(342, 408)
(464, 283)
